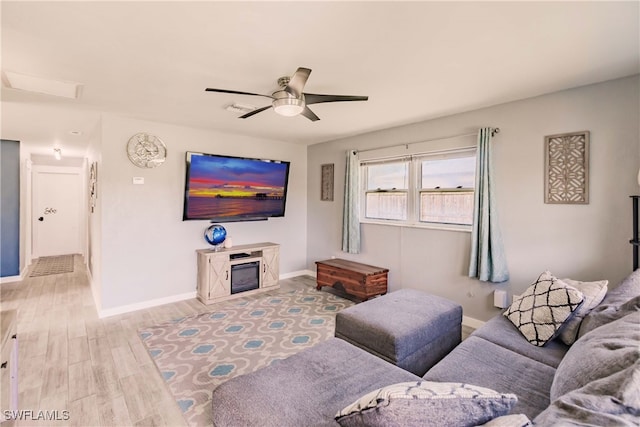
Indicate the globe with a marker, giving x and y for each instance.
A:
(215, 234)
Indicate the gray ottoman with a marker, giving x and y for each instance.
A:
(408, 328)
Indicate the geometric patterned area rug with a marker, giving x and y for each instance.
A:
(195, 354)
(47, 265)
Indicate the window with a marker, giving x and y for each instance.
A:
(387, 190)
(425, 189)
(446, 189)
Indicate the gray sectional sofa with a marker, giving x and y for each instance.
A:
(595, 381)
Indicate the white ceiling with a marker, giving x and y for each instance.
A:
(415, 60)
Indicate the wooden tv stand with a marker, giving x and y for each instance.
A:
(215, 270)
(360, 280)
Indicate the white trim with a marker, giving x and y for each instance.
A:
(297, 273)
(424, 225)
(25, 216)
(10, 279)
(19, 278)
(145, 304)
(471, 322)
(94, 292)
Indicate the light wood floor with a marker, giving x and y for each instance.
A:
(97, 369)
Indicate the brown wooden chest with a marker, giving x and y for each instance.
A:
(360, 280)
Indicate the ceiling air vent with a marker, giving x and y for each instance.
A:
(46, 86)
(240, 108)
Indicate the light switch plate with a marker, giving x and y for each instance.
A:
(138, 180)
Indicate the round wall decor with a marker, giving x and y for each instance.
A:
(146, 150)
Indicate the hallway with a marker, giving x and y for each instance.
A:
(97, 369)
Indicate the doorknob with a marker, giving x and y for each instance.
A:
(41, 219)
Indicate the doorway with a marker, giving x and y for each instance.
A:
(58, 214)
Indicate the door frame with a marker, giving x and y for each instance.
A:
(82, 214)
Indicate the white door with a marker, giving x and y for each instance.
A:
(57, 211)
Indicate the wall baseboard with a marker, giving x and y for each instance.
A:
(145, 304)
(297, 273)
(466, 320)
(11, 279)
(471, 322)
(96, 296)
(174, 298)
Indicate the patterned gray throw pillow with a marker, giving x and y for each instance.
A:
(422, 403)
(543, 308)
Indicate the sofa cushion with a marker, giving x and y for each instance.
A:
(593, 293)
(610, 401)
(542, 309)
(308, 388)
(419, 403)
(618, 302)
(501, 331)
(600, 353)
(627, 289)
(485, 364)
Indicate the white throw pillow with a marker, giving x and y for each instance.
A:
(594, 293)
(427, 403)
(543, 308)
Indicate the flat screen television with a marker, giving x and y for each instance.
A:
(228, 189)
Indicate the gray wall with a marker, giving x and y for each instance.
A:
(585, 242)
(146, 251)
(10, 208)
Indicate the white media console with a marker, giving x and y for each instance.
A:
(238, 271)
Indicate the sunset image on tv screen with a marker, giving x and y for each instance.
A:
(229, 187)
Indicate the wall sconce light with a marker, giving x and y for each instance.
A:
(57, 153)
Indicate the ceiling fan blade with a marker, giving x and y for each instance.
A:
(237, 92)
(297, 82)
(251, 113)
(312, 98)
(310, 114)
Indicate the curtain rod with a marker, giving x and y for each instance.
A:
(407, 144)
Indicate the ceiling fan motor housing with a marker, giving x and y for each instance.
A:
(287, 105)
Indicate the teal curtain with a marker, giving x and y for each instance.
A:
(351, 208)
(488, 262)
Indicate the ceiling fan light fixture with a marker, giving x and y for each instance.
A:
(286, 105)
(290, 100)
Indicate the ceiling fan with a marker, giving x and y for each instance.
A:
(290, 100)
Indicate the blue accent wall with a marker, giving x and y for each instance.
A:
(10, 208)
